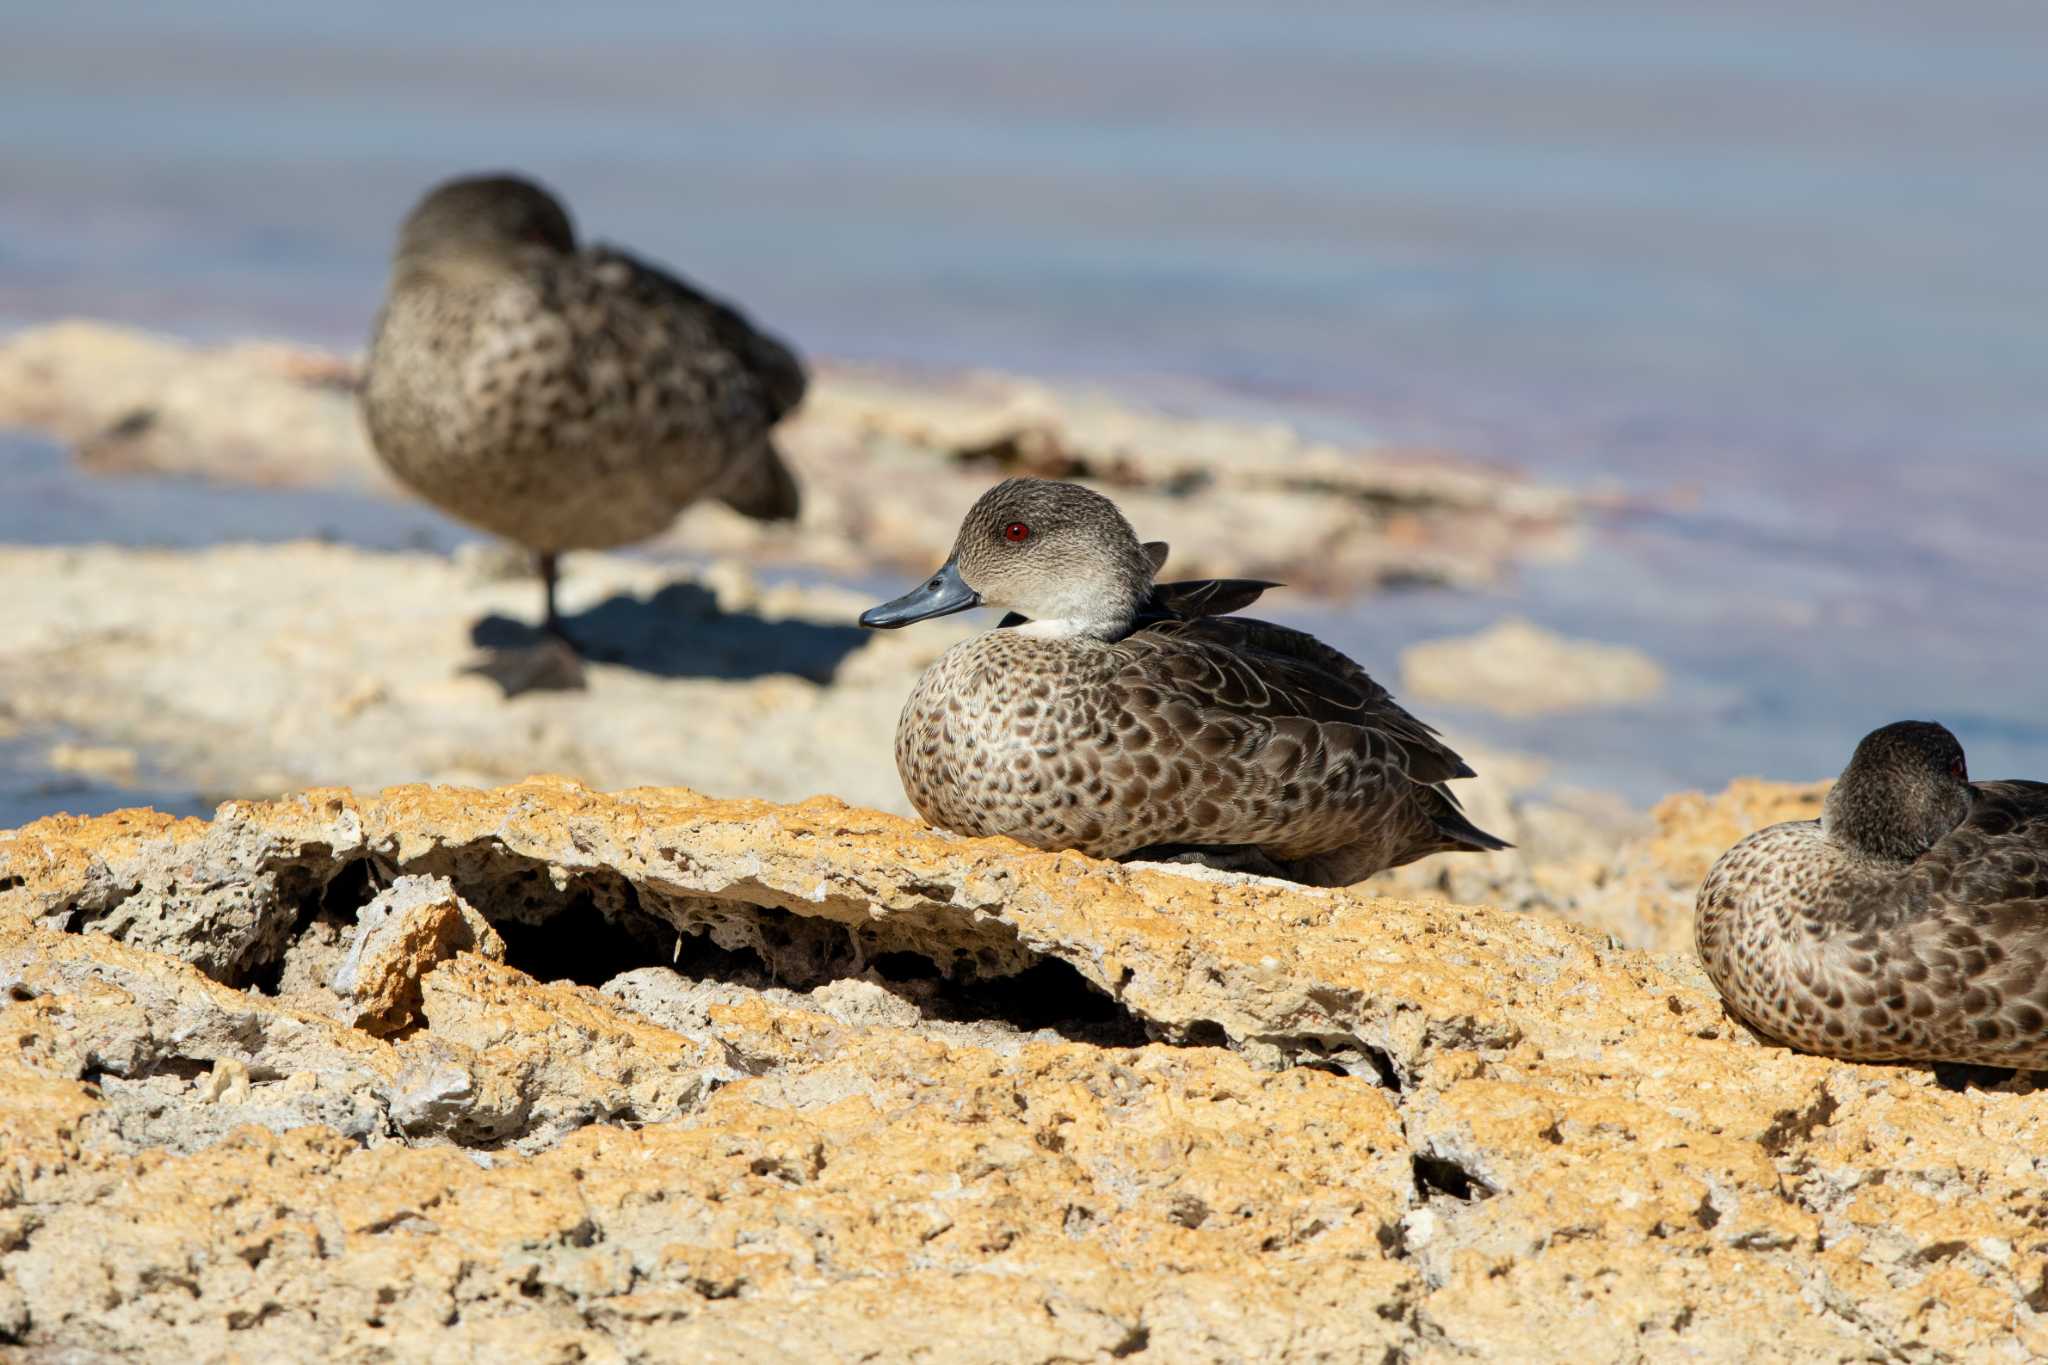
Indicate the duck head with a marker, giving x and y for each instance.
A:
(484, 216)
(1055, 553)
(1905, 787)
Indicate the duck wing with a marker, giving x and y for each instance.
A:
(619, 302)
(1994, 865)
(1288, 689)
(1201, 597)
(1955, 956)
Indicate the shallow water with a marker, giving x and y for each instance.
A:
(1774, 268)
(31, 789)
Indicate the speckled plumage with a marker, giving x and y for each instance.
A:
(565, 398)
(1910, 922)
(1150, 723)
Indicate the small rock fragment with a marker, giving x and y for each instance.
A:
(299, 1083)
(227, 1083)
(400, 936)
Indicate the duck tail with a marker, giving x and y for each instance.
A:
(759, 485)
(1459, 832)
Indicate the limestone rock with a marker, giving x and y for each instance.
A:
(1514, 668)
(1364, 1128)
(402, 934)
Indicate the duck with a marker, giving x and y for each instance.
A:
(1908, 923)
(1136, 720)
(566, 397)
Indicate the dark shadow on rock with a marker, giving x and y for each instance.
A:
(681, 632)
(1965, 1076)
(545, 663)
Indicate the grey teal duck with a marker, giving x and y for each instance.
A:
(565, 398)
(1909, 922)
(1131, 719)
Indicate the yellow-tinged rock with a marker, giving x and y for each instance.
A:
(1370, 1128)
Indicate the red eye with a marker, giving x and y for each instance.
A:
(1016, 531)
(1958, 771)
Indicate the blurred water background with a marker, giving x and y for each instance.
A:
(1772, 269)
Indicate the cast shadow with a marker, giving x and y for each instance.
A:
(680, 632)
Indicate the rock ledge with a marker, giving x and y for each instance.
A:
(761, 1082)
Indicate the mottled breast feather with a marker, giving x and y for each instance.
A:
(1942, 959)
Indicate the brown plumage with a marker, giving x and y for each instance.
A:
(1124, 718)
(565, 398)
(1909, 922)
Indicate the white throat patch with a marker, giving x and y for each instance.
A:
(1059, 628)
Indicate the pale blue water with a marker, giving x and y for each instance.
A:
(1783, 255)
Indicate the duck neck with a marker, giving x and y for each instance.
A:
(1096, 628)
(466, 266)
(1880, 828)
(1088, 610)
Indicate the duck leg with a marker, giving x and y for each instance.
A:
(547, 564)
(552, 664)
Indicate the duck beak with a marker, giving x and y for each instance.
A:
(944, 593)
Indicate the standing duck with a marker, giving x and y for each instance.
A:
(1131, 719)
(565, 398)
(1909, 922)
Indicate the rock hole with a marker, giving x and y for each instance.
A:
(581, 943)
(1962, 1076)
(1383, 1067)
(1434, 1175)
(1204, 1033)
(1050, 994)
(1706, 1215)
(349, 889)
(97, 1073)
(11, 884)
(333, 900)
(1135, 1341)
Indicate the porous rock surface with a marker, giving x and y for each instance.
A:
(852, 1089)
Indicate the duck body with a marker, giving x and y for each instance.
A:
(1869, 950)
(1166, 728)
(567, 402)
(565, 397)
